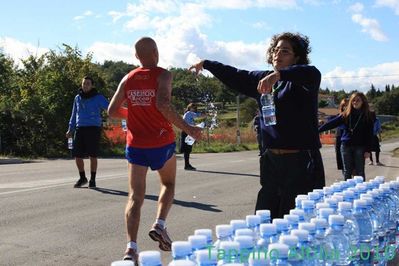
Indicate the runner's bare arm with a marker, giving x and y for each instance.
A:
(115, 108)
(164, 105)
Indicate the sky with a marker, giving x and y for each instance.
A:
(354, 43)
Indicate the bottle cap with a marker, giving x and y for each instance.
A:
(320, 223)
(252, 220)
(308, 204)
(380, 178)
(332, 202)
(182, 263)
(281, 224)
(359, 204)
(206, 232)
(151, 257)
(336, 219)
(298, 212)
(238, 224)
(325, 212)
(348, 195)
(229, 247)
(299, 198)
(278, 250)
(264, 216)
(344, 206)
(303, 235)
(246, 242)
(289, 240)
(338, 198)
(244, 232)
(315, 196)
(322, 205)
(292, 218)
(358, 179)
(181, 248)
(367, 199)
(310, 227)
(198, 241)
(268, 229)
(223, 230)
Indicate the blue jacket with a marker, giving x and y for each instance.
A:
(296, 103)
(357, 132)
(86, 111)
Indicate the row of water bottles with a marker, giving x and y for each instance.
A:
(348, 223)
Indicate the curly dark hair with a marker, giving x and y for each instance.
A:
(299, 43)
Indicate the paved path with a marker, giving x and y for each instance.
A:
(44, 221)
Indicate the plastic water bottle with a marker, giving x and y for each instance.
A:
(338, 241)
(238, 224)
(319, 242)
(231, 252)
(282, 226)
(298, 200)
(244, 232)
(198, 242)
(268, 235)
(253, 222)
(258, 259)
(294, 257)
(122, 263)
(278, 254)
(308, 206)
(181, 250)
(223, 233)
(246, 247)
(306, 252)
(70, 143)
(351, 229)
(182, 263)
(189, 140)
(293, 221)
(268, 109)
(264, 216)
(150, 258)
(365, 230)
(124, 125)
(206, 257)
(205, 232)
(300, 213)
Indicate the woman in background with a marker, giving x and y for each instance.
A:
(357, 134)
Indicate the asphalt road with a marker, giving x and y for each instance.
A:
(44, 221)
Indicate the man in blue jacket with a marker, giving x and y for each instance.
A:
(291, 162)
(85, 127)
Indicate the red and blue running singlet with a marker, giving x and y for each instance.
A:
(147, 127)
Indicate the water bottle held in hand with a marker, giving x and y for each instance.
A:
(268, 109)
(70, 143)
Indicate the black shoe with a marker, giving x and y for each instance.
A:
(92, 183)
(80, 182)
(190, 168)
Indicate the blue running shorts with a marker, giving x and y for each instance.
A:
(155, 158)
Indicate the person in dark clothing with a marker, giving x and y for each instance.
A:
(375, 147)
(338, 134)
(357, 134)
(291, 162)
(85, 127)
(189, 116)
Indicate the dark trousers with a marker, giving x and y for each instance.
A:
(353, 159)
(283, 177)
(185, 149)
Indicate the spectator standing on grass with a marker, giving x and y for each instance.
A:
(291, 162)
(85, 128)
(150, 141)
